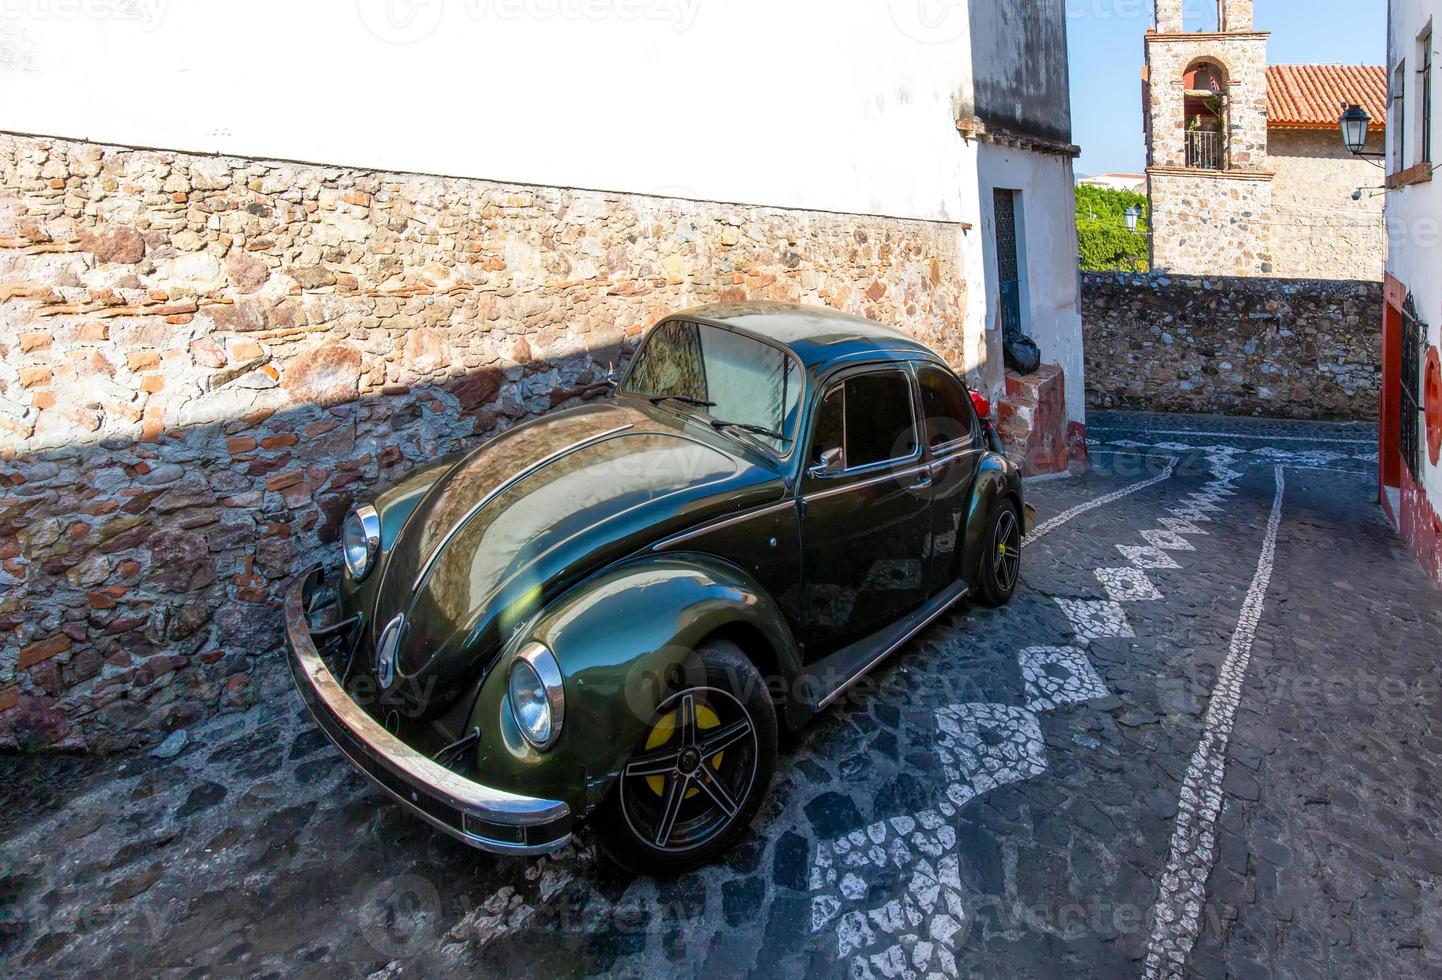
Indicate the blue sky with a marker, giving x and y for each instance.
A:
(1105, 38)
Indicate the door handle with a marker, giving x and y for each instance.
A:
(922, 482)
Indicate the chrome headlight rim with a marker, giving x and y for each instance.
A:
(370, 522)
(540, 663)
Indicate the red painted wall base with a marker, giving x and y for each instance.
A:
(1419, 525)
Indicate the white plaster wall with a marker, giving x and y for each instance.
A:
(1051, 302)
(1414, 214)
(835, 105)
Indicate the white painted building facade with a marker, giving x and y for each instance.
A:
(846, 107)
(1411, 436)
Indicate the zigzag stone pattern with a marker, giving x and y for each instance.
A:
(890, 893)
(914, 930)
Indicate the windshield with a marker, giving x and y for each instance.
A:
(729, 376)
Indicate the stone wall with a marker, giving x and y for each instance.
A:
(1283, 348)
(1317, 230)
(204, 361)
(1211, 223)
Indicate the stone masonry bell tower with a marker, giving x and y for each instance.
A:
(1206, 119)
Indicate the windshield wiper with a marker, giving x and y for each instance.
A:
(759, 430)
(684, 399)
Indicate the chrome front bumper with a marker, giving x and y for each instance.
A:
(490, 819)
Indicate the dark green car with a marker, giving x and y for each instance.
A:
(606, 613)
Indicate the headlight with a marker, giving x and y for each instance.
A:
(360, 539)
(538, 702)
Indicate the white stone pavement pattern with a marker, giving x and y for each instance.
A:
(916, 934)
(237, 853)
(1178, 912)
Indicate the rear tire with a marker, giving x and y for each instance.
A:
(696, 780)
(1001, 555)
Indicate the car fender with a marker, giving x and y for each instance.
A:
(997, 478)
(620, 639)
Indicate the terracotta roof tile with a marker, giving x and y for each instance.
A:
(1311, 96)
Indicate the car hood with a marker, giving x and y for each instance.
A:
(529, 514)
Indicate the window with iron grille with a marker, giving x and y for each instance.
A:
(1008, 260)
(1414, 341)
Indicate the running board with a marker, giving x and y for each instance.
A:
(853, 662)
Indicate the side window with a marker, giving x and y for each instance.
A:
(869, 417)
(830, 427)
(944, 404)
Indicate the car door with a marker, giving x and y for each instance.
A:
(865, 522)
(953, 454)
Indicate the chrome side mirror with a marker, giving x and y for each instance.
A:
(833, 461)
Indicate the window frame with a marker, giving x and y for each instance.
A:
(1424, 89)
(968, 441)
(1399, 116)
(840, 381)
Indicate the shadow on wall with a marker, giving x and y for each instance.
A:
(152, 572)
(204, 360)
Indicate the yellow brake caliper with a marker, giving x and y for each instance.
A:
(665, 728)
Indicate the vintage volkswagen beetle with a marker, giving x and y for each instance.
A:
(607, 612)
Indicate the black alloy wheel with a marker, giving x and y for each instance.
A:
(693, 785)
(1001, 560)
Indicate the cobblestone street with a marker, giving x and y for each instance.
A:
(1204, 740)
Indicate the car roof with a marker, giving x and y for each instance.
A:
(819, 336)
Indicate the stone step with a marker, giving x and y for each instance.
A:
(1031, 420)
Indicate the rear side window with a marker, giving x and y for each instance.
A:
(944, 404)
(869, 417)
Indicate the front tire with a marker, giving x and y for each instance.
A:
(693, 785)
(1001, 555)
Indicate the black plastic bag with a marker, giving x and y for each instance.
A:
(1022, 354)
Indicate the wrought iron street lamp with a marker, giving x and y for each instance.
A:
(1133, 215)
(1354, 122)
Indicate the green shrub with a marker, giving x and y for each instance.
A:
(1102, 236)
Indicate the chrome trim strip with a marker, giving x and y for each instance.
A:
(386, 651)
(723, 523)
(894, 475)
(501, 488)
(953, 455)
(368, 746)
(953, 448)
(962, 593)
